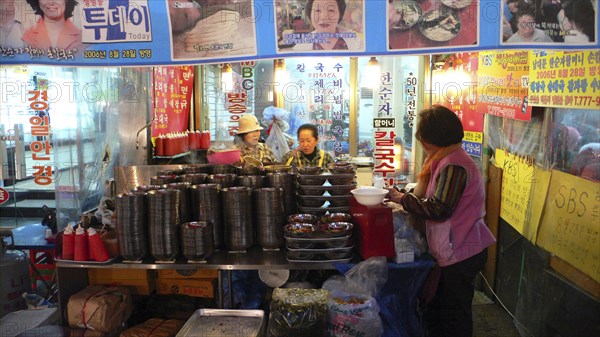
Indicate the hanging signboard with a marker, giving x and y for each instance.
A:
(565, 79)
(503, 83)
(570, 226)
(173, 86)
(156, 32)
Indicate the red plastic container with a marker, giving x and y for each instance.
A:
(68, 246)
(81, 246)
(375, 228)
(205, 140)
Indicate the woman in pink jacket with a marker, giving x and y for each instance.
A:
(449, 201)
(53, 29)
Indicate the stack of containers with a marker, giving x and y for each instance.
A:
(238, 224)
(270, 217)
(206, 206)
(131, 226)
(163, 219)
(320, 192)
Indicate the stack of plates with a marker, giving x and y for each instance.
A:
(270, 217)
(163, 218)
(197, 241)
(287, 181)
(237, 221)
(206, 206)
(131, 226)
(184, 200)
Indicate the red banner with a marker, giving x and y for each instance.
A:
(455, 87)
(173, 86)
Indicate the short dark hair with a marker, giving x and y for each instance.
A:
(439, 126)
(340, 3)
(310, 127)
(69, 7)
(581, 14)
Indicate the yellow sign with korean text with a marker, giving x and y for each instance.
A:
(570, 226)
(565, 79)
(502, 88)
(520, 180)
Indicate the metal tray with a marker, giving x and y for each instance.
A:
(224, 322)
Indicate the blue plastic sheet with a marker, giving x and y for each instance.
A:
(398, 297)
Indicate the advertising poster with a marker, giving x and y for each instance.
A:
(211, 29)
(319, 25)
(431, 24)
(569, 79)
(503, 84)
(570, 226)
(455, 87)
(544, 22)
(173, 88)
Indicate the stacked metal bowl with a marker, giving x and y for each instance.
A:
(132, 235)
(197, 241)
(287, 181)
(269, 217)
(163, 219)
(184, 200)
(206, 206)
(223, 179)
(256, 181)
(238, 225)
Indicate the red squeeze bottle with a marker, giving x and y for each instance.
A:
(205, 140)
(98, 251)
(81, 250)
(68, 242)
(160, 146)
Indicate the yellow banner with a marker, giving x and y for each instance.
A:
(565, 79)
(472, 136)
(570, 226)
(521, 179)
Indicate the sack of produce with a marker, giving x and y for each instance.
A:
(298, 312)
(353, 315)
(154, 327)
(99, 308)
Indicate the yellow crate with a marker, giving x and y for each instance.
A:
(139, 281)
(191, 287)
(188, 273)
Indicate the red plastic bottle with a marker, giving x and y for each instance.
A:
(205, 140)
(68, 243)
(97, 249)
(81, 245)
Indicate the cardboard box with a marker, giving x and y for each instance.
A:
(191, 287)
(188, 273)
(100, 308)
(139, 281)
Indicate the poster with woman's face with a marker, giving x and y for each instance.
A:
(204, 29)
(430, 24)
(549, 22)
(319, 25)
(44, 27)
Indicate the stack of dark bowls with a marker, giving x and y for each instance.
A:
(146, 188)
(287, 181)
(184, 200)
(206, 206)
(223, 179)
(195, 178)
(237, 221)
(256, 181)
(131, 226)
(197, 241)
(163, 179)
(269, 217)
(163, 219)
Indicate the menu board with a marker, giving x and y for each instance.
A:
(570, 226)
(173, 86)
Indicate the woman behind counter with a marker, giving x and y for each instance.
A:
(308, 154)
(450, 199)
(248, 136)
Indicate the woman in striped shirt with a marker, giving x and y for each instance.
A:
(449, 200)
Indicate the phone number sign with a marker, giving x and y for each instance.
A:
(565, 79)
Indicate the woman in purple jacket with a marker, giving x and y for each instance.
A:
(449, 201)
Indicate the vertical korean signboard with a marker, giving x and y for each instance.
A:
(172, 93)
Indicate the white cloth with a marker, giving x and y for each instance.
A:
(11, 35)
